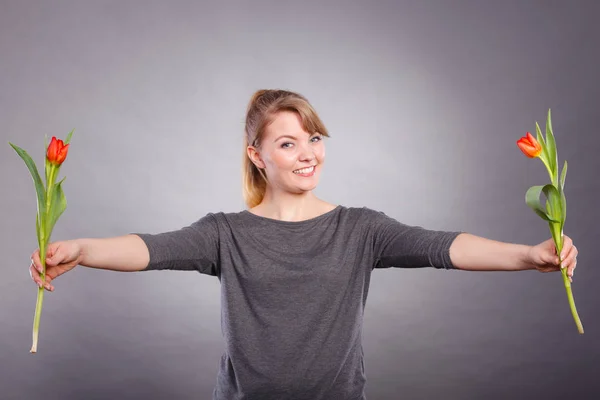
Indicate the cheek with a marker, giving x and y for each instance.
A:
(320, 153)
(281, 159)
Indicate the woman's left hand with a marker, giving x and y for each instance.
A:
(544, 259)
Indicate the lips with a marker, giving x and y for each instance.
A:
(305, 170)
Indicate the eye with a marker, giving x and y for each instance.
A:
(285, 145)
(317, 137)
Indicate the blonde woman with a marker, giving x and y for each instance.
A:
(294, 269)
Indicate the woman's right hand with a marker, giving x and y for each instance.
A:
(61, 257)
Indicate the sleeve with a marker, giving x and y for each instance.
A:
(399, 245)
(194, 247)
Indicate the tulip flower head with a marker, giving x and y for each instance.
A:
(57, 151)
(530, 146)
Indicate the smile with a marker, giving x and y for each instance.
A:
(305, 171)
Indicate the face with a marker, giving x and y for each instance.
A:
(291, 157)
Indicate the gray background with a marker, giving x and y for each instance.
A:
(424, 100)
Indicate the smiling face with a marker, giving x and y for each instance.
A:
(291, 157)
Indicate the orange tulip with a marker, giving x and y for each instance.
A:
(530, 146)
(57, 151)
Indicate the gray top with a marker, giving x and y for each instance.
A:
(293, 293)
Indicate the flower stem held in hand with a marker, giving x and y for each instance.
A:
(51, 203)
(555, 212)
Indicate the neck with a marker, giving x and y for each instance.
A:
(287, 206)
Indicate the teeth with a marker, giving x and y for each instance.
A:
(304, 170)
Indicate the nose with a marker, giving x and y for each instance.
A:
(306, 154)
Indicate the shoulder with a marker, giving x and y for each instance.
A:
(365, 217)
(363, 212)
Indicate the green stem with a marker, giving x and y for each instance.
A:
(571, 300)
(40, 295)
(550, 172)
(36, 319)
(44, 239)
(558, 241)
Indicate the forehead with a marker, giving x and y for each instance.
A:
(285, 123)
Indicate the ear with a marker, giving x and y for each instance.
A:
(255, 157)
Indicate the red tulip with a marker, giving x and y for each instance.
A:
(51, 203)
(57, 151)
(530, 146)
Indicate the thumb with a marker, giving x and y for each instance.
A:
(551, 257)
(55, 255)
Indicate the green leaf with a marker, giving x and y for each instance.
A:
(563, 201)
(37, 180)
(553, 195)
(563, 175)
(541, 141)
(37, 230)
(47, 169)
(549, 122)
(552, 154)
(532, 198)
(68, 139)
(57, 206)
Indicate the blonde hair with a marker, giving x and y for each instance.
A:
(262, 109)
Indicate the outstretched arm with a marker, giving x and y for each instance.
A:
(475, 253)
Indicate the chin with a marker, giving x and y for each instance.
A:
(300, 189)
(308, 188)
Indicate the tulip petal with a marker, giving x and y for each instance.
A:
(62, 154)
(57, 152)
(531, 138)
(52, 150)
(528, 148)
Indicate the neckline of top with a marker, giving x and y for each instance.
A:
(295, 223)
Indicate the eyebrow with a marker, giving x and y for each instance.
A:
(285, 136)
(292, 137)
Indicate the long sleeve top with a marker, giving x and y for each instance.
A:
(293, 293)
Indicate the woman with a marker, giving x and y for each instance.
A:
(294, 269)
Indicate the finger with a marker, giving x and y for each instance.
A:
(567, 246)
(570, 256)
(35, 275)
(46, 283)
(47, 279)
(571, 269)
(55, 256)
(568, 241)
(35, 258)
